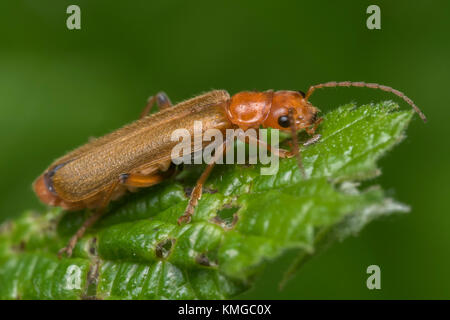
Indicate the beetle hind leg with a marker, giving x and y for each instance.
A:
(89, 222)
(128, 179)
(80, 232)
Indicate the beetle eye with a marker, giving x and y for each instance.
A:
(301, 93)
(283, 121)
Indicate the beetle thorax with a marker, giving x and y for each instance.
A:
(249, 109)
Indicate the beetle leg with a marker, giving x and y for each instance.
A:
(196, 195)
(197, 191)
(282, 153)
(128, 179)
(162, 101)
(88, 223)
(295, 147)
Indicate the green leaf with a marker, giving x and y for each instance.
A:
(244, 219)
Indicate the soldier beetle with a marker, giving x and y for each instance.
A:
(138, 155)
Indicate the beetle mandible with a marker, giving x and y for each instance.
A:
(138, 155)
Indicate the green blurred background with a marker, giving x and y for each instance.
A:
(59, 87)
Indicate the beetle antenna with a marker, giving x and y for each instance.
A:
(295, 146)
(367, 85)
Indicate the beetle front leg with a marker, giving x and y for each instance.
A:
(282, 153)
(162, 101)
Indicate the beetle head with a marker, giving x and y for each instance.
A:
(304, 113)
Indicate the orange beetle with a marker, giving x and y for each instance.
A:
(139, 154)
